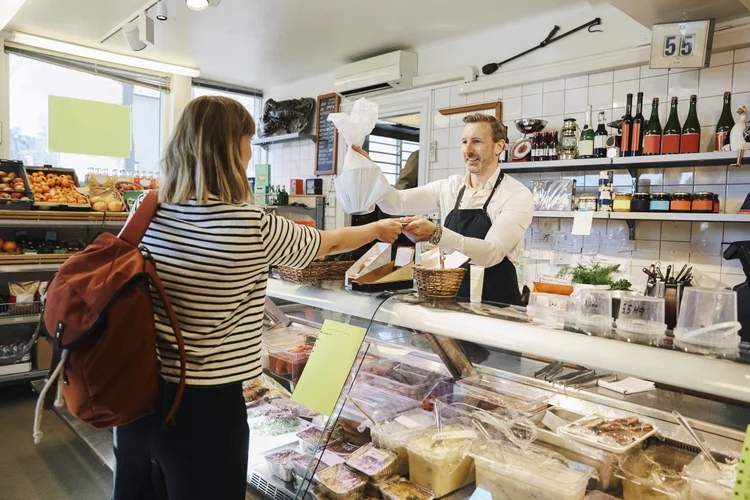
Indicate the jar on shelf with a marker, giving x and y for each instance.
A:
(703, 202)
(641, 202)
(587, 203)
(622, 202)
(716, 203)
(681, 202)
(660, 202)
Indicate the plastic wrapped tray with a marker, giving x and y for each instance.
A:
(589, 431)
(390, 434)
(378, 403)
(282, 463)
(405, 380)
(375, 463)
(339, 482)
(309, 439)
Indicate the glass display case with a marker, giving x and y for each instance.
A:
(446, 397)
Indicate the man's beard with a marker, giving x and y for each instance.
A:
(481, 166)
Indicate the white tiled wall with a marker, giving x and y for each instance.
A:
(700, 244)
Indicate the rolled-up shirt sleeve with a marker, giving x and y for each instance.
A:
(421, 200)
(507, 231)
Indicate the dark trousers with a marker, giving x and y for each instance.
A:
(203, 456)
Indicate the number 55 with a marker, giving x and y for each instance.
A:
(670, 45)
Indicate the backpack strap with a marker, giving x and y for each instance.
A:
(136, 227)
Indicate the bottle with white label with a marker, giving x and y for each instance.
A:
(600, 137)
(586, 143)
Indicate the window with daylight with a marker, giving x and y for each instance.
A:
(33, 78)
(391, 154)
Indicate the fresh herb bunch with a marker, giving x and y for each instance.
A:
(589, 274)
(623, 285)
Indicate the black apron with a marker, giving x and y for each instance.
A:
(500, 281)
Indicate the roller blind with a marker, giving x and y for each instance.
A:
(206, 84)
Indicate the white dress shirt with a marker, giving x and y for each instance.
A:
(511, 210)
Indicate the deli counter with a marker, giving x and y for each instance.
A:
(449, 400)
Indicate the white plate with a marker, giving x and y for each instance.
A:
(598, 443)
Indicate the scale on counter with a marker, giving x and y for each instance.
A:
(521, 150)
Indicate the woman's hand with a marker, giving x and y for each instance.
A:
(419, 229)
(388, 230)
(362, 152)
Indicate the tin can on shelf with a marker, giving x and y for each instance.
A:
(681, 202)
(641, 202)
(660, 202)
(703, 202)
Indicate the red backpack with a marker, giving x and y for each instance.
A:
(100, 319)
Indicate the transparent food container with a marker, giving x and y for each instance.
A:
(641, 320)
(654, 473)
(405, 380)
(282, 463)
(403, 489)
(442, 466)
(287, 356)
(708, 322)
(493, 392)
(614, 435)
(339, 482)
(550, 310)
(707, 483)
(534, 474)
(593, 312)
(375, 463)
(389, 435)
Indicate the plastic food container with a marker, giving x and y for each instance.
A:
(309, 439)
(379, 404)
(641, 320)
(594, 312)
(534, 474)
(707, 483)
(613, 435)
(441, 466)
(654, 473)
(389, 435)
(375, 463)
(282, 463)
(500, 392)
(288, 356)
(550, 310)
(405, 380)
(708, 321)
(402, 489)
(339, 482)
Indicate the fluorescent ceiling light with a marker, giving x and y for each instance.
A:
(102, 55)
(197, 4)
(8, 9)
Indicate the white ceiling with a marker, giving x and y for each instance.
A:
(262, 43)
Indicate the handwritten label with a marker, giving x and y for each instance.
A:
(379, 455)
(407, 422)
(441, 436)
(631, 310)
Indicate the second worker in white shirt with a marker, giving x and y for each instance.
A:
(485, 213)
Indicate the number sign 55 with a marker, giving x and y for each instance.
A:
(686, 44)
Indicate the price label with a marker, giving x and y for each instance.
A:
(632, 311)
(467, 434)
(378, 455)
(681, 45)
(407, 422)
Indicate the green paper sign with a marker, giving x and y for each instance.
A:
(328, 367)
(88, 127)
(742, 486)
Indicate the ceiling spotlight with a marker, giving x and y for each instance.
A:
(161, 10)
(197, 4)
(132, 35)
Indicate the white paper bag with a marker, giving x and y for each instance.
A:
(361, 184)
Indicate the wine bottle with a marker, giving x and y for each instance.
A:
(544, 147)
(586, 142)
(691, 132)
(725, 124)
(600, 137)
(627, 128)
(670, 143)
(652, 133)
(636, 143)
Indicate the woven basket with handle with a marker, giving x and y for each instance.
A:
(316, 272)
(438, 283)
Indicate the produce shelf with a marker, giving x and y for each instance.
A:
(55, 218)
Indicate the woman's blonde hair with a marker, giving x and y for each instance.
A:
(204, 154)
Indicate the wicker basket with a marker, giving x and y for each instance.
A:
(316, 272)
(438, 283)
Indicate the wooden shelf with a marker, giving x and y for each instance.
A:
(54, 218)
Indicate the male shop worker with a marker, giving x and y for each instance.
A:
(485, 213)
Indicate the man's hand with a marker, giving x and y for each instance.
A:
(388, 230)
(419, 229)
(362, 152)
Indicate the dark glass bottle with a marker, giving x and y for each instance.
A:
(725, 124)
(636, 143)
(670, 143)
(553, 154)
(652, 133)
(690, 141)
(627, 128)
(543, 152)
(600, 137)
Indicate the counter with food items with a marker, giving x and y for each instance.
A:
(408, 430)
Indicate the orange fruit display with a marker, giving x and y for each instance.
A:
(55, 188)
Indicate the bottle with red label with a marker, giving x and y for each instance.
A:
(636, 143)
(670, 141)
(627, 128)
(725, 124)
(652, 134)
(690, 142)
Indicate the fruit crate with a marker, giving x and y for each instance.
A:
(10, 197)
(57, 205)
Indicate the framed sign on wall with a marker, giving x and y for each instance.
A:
(682, 45)
(326, 141)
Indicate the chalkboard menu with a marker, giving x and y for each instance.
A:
(327, 138)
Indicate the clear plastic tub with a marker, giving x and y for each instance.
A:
(390, 434)
(707, 483)
(405, 380)
(339, 482)
(654, 473)
(441, 466)
(375, 463)
(534, 474)
(708, 322)
(287, 356)
(494, 392)
(550, 310)
(641, 320)
(282, 463)
(379, 404)
(613, 435)
(593, 312)
(402, 489)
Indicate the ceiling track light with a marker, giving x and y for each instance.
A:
(161, 13)
(132, 35)
(197, 5)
